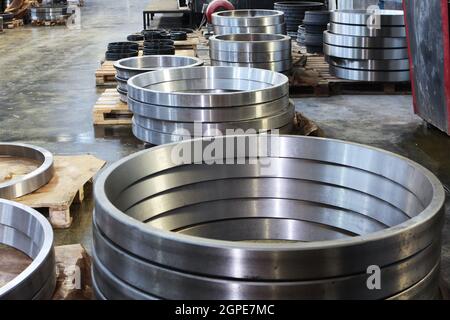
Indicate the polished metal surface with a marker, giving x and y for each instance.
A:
(276, 66)
(28, 231)
(247, 18)
(276, 29)
(164, 228)
(264, 51)
(364, 31)
(256, 42)
(365, 54)
(368, 17)
(248, 21)
(367, 46)
(130, 67)
(364, 42)
(368, 75)
(170, 106)
(20, 186)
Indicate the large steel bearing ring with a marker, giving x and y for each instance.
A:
(367, 75)
(273, 121)
(275, 66)
(159, 138)
(247, 18)
(128, 68)
(364, 31)
(32, 181)
(256, 42)
(208, 87)
(249, 57)
(400, 202)
(52, 13)
(275, 29)
(207, 114)
(364, 42)
(363, 17)
(370, 65)
(28, 231)
(365, 54)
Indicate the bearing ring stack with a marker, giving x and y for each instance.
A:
(248, 21)
(121, 50)
(177, 104)
(163, 228)
(48, 13)
(259, 50)
(294, 13)
(356, 51)
(28, 231)
(128, 68)
(314, 24)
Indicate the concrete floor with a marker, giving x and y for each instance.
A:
(47, 90)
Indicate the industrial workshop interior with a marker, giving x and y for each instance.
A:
(242, 151)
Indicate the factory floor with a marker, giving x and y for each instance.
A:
(47, 90)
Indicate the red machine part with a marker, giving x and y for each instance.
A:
(217, 5)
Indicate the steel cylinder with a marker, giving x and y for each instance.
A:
(367, 46)
(266, 218)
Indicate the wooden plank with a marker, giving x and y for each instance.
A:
(110, 110)
(71, 175)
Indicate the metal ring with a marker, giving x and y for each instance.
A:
(364, 31)
(363, 42)
(272, 29)
(275, 66)
(365, 54)
(207, 114)
(127, 68)
(247, 18)
(276, 261)
(370, 65)
(274, 121)
(28, 231)
(365, 17)
(254, 42)
(366, 75)
(176, 88)
(32, 181)
(160, 138)
(172, 284)
(250, 57)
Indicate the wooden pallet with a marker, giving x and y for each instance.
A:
(67, 187)
(49, 23)
(73, 270)
(105, 76)
(311, 77)
(109, 110)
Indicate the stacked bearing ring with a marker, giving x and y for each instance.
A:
(28, 231)
(248, 21)
(48, 13)
(367, 46)
(128, 68)
(294, 13)
(163, 227)
(310, 33)
(121, 50)
(177, 104)
(259, 50)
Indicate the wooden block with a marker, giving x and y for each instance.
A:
(71, 174)
(74, 279)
